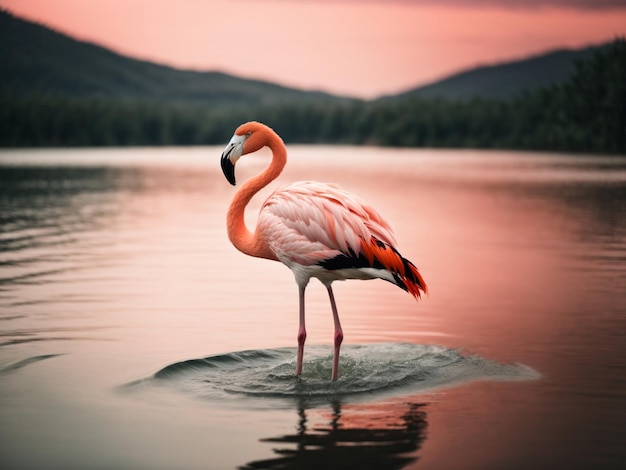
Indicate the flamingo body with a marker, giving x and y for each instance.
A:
(316, 229)
(319, 230)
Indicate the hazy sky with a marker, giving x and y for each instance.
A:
(361, 48)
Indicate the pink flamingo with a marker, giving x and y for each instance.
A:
(315, 229)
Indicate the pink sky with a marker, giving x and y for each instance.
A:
(358, 48)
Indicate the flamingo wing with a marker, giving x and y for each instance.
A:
(319, 230)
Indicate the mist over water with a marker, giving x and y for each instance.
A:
(133, 335)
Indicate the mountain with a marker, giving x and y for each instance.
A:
(59, 92)
(505, 80)
(35, 60)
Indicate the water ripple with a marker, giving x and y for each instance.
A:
(25, 362)
(366, 371)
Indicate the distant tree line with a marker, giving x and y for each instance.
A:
(585, 114)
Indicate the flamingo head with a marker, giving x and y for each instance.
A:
(248, 138)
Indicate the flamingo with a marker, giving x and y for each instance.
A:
(316, 229)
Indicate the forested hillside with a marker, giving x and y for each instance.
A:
(585, 113)
(507, 80)
(37, 61)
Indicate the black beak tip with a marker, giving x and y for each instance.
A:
(229, 170)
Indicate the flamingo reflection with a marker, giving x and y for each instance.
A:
(385, 436)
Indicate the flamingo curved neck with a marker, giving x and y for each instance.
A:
(252, 243)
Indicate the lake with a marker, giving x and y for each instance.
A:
(134, 336)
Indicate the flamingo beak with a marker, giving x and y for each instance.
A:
(229, 169)
(230, 155)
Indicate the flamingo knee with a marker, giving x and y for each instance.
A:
(338, 338)
(301, 336)
(301, 340)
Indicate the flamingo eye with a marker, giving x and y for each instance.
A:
(248, 134)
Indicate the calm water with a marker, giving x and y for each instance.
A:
(132, 335)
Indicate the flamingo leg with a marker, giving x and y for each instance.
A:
(301, 333)
(338, 332)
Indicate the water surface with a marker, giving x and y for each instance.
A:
(132, 334)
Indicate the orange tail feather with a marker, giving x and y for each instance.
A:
(406, 274)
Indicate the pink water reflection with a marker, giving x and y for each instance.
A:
(117, 268)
